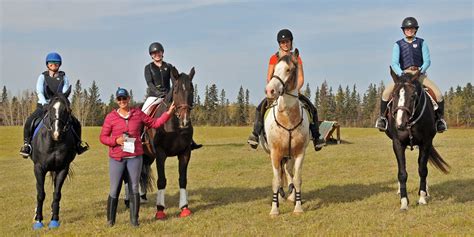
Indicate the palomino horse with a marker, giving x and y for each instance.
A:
(412, 122)
(287, 132)
(174, 139)
(53, 151)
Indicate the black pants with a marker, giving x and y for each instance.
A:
(314, 124)
(27, 129)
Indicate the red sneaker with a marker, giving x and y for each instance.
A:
(185, 212)
(160, 215)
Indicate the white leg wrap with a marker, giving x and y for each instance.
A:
(404, 204)
(160, 198)
(422, 200)
(183, 197)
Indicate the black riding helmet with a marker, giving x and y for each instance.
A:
(284, 34)
(155, 47)
(410, 22)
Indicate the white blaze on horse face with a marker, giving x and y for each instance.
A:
(274, 85)
(56, 122)
(401, 102)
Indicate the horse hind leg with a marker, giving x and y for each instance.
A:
(40, 175)
(289, 168)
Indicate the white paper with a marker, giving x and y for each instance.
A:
(129, 145)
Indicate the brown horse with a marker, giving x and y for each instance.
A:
(173, 139)
(287, 132)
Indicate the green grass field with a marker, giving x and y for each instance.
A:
(348, 189)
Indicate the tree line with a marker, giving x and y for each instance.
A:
(346, 105)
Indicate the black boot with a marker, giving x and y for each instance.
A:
(381, 122)
(194, 145)
(82, 147)
(25, 150)
(134, 208)
(318, 142)
(441, 125)
(111, 210)
(257, 129)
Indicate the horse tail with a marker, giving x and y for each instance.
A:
(147, 178)
(437, 161)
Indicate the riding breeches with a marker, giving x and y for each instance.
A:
(149, 102)
(423, 79)
(117, 169)
(38, 113)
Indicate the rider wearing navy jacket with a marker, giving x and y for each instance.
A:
(158, 79)
(55, 81)
(410, 55)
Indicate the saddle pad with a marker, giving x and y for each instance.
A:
(37, 128)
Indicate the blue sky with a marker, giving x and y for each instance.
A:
(228, 42)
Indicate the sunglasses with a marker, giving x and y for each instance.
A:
(121, 98)
(55, 63)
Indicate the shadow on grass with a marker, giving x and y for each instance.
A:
(346, 193)
(459, 190)
(225, 145)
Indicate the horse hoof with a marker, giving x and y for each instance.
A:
(274, 215)
(160, 215)
(404, 204)
(185, 212)
(299, 212)
(53, 224)
(38, 225)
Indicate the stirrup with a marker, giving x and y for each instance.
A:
(253, 141)
(379, 120)
(443, 123)
(28, 151)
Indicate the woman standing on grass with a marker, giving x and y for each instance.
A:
(121, 132)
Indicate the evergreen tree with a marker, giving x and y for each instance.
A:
(246, 107)
(307, 92)
(240, 113)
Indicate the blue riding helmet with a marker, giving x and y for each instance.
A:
(121, 92)
(53, 57)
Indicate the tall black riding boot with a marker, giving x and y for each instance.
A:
(194, 145)
(381, 122)
(81, 146)
(441, 125)
(111, 210)
(134, 208)
(257, 129)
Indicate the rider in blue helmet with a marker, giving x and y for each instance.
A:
(55, 81)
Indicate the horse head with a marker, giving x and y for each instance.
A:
(58, 115)
(183, 95)
(284, 79)
(405, 97)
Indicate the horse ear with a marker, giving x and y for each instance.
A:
(191, 74)
(174, 73)
(416, 76)
(296, 53)
(394, 75)
(68, 92)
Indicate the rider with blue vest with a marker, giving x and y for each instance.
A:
(410, 55)
(55, 81)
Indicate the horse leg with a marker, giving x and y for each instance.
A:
(276, 183)
(399, 150)
(40, 195)
(58, 184)
(161, 184)
(298, 181)
(183, 161)
(289, 167)
(423, 172)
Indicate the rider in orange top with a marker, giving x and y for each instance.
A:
(285, 42)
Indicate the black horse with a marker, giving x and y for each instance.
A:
(173, 139)
(53, 151)
(412, 122)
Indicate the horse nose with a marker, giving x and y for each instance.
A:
(270, 92)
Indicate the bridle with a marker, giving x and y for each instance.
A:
(285, 87)
(48, 121)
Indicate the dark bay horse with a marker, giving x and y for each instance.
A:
(53, 151)
(411, 121)
(173, 139)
